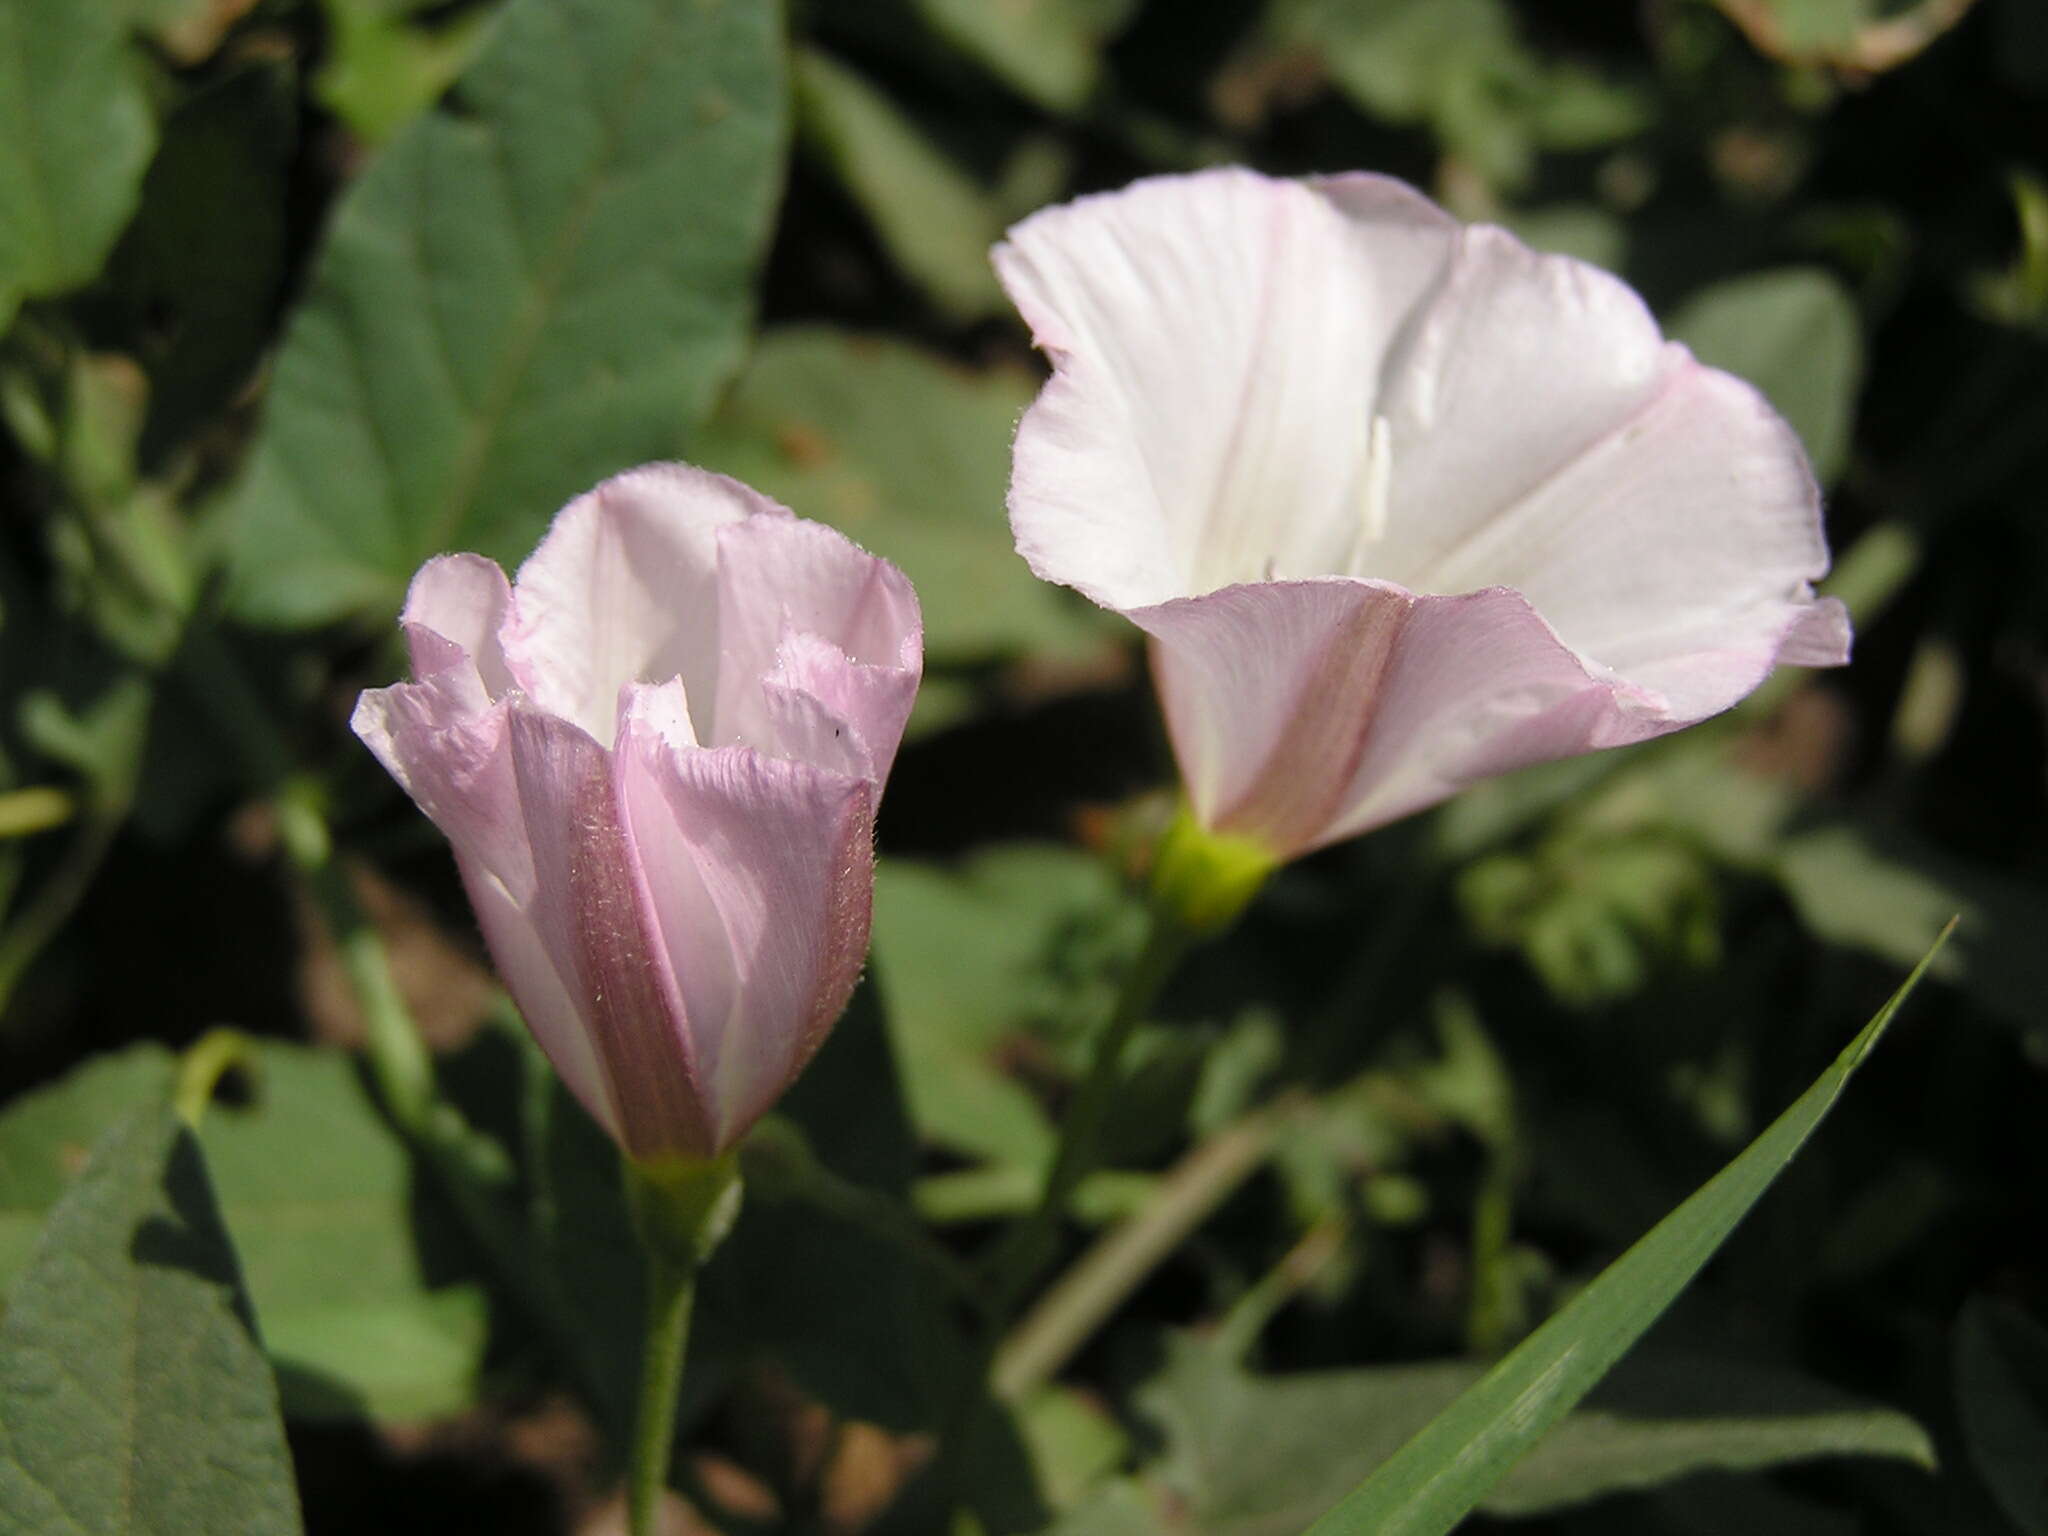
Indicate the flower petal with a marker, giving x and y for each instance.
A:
(594, 913)
(453, 611)
(457, 766)
(544, 999)
(1303, 712)
(1678, 547)
(761, 873)
(1517, 363)
(455, 763)
(624, 589)
(806, 614)
(1217, 342)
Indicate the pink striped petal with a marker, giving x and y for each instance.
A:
(1303, 712)
(594, 913)
(765, 906)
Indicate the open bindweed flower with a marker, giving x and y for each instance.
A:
(1400, 503)
(657, 754)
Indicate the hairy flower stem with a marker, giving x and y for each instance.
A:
(682, 1211)
(671, 1288)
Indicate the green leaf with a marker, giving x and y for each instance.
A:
(75, 134)
(1805, 26)
(935, 221)
(320, 1195)
(1660, 1419)
(584, 1233)
(1434, 1480)
(1074, 1443)
(856, 1317)
(45, 1137)
(968, 955)
(382, 69)
(911, 458)
(1125, 1507)
(197, 273)
(1460, 68)
(1794, 334)
(1049, 50)
(133, 1392)
(1247, 1455)
(538, 284)
(2001, 1371)
(1874, 889)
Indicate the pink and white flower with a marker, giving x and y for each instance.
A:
(1400, 502)
(657, 754)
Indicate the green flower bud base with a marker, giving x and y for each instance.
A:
(1204, 879)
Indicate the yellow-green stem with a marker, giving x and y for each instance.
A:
(206, 1061)
(682, 1209)
(671, 1288)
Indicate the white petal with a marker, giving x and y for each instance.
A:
(1217, 341)
(453, 612)
(544, 999)
(457, 766)
(1515, 366)
(624, 589)
(802, 610)
(1678, 547)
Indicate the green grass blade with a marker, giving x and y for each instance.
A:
(1432, 1482)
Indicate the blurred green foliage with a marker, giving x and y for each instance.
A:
(294, 293)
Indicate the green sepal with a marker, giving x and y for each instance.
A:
(1204, 879)
(683, 1207)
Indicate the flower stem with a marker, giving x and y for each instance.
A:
(671, 1288)
(1024, 1252)
(682, 1209)
(1201, 881)
(1199, 884)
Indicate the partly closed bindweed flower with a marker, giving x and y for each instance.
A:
(1400, 502)
(657, 754)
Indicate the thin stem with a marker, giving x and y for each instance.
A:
(57, 897)
(1098, 1283)
(1200, 882)
(210, 1058)
(398, 1057)
(1025, 1251)
(671, 1288)
(1298, 1267)
(1492, 1315)
(682, 1209)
